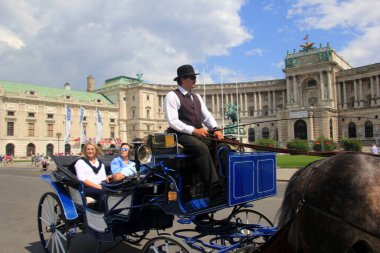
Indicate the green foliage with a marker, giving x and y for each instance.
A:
(324, 144)
(295, 161)
(298, 144)
(267, 143)
(351, 144)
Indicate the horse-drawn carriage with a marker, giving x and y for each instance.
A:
(160, 192)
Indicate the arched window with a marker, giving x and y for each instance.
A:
(67, 149)
(251, 135)
(351, 130)
(30, 149)
(300, 130)
(10, 149)
(368, 129)
(49, 149)
(265, 133)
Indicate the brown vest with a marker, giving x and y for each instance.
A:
(189, 111)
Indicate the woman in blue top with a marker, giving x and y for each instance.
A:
(121, 166)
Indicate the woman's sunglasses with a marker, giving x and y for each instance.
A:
(124, 149)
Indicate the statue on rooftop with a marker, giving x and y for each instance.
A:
(139, 77)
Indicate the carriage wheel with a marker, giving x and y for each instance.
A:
(163, 244)
(52, 225)
(249, 217)
(135, 237)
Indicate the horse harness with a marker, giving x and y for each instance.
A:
(305, 203)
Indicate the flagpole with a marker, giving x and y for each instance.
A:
(204, 86)
(238, 108)
(221, 85)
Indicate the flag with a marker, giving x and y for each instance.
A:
(306, 37)
(67, 124)
(99, 126)
(81, 117)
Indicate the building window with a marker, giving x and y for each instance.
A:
(147, 97)
(85, 130)
(148, 113)
(30, 149)
(250, 111)
(133, 98)
(10, 113)
(351, 130)
(251, 135)
(10, 128)
(368, 129)
(133, 114)
(50, 116)
(112, 120)
(265, 133)
(84, 118)
(10, 149)
(31, 114)
(30, 129)
(50, 130)
(112, 132)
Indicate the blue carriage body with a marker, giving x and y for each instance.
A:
(251, 176)
(148, 202)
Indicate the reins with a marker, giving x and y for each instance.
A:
(283, 150)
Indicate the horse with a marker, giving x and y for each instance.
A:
(331, 205)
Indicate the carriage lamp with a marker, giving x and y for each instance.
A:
(143, 154)
(172, 196)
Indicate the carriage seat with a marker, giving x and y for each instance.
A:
(164, 144)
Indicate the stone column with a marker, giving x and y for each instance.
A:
(322, 86)
(329, 85)
(373, 97)
(283, 99)
(269, 103)
(361, 93)
(344, 95)
(274, 102)
(355, 95)
(287, 90)
(260, 105)
(241, 108)
(245, 104)
(339, 98)
(217, 106)
(377, 90)
(213, 104)
(295, 89)
(256, 110)
(310, 130)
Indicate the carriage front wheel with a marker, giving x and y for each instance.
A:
(52, 226)
(246, 217)
(163, 244)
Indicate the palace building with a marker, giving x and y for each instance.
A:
(321, 94)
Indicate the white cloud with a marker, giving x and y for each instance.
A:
(254, 52)
(64, 41)
(360, 16)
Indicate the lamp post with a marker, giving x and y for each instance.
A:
(58, 137)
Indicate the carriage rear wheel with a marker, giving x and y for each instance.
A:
(53, 228)
(135, 237)
(249, 217)
(163, 244)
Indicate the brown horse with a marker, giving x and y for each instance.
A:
(332, 205)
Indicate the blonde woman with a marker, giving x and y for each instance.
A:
(91, 171)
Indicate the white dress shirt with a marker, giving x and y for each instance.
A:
(171, 107)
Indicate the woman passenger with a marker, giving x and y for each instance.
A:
(91, 171)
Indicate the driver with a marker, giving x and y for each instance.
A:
(186, 114)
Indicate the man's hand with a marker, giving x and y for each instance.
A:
(200, 132)
(219, 135)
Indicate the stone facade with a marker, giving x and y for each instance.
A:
(321, 94)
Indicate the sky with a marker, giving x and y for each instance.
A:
(57, 41)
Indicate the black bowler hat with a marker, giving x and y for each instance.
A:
(185, 70)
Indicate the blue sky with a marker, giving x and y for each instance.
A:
(51, 43)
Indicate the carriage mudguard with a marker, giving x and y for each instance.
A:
(67, 203)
